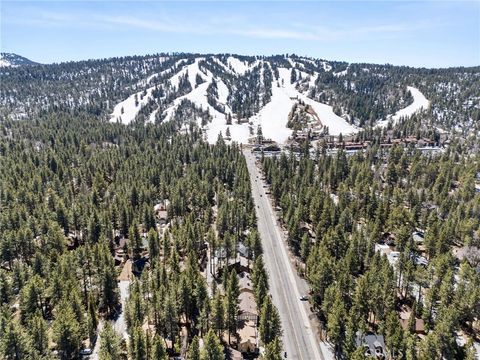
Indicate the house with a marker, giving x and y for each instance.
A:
(388, 238)
(220, 253)
(247, 332)
(242, 250)
(247, 307)
(419, 260)
(247, 316)
(393, 257)
(373, 344)
(233, 354)
(469, 253)
(418, 237)
(161, 212)
(419, 326)
(240, 265)
(383, 249)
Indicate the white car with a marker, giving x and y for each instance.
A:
(86, 351)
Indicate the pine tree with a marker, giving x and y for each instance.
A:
(231, 304)
(158, 351)
(153, 244)
(273, 350)
(135, 241)
(38, 331)
(67, 332)
(14, 343)
(194, 350)
(92, 318)
(212, 348)
(109, 343)
(270, 326)
(218, 314)
(138, 344)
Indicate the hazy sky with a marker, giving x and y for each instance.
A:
(429, 33)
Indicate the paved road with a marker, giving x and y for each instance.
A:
(120, 324)
(286, 287)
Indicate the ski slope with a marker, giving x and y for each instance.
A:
(240, 67)
(273, 117)
(130, 110)
(420, 102)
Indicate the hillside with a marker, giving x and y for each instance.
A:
(244, 93)
(14, 60)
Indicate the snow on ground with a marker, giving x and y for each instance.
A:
(273, 117)
(222, 92)
(326, 66)
(147, 81)
(312, 78)
(341, 73)
(327, 351)
(240, 67)
(309, 61)
(5, 63)
(225, 67)
(130, 111)
(419, 102)
(198, 96)
(192, 69)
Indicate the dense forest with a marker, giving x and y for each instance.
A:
(139, 240)
(80, 202)
(388, 241)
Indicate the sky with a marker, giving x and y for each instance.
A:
(421, 34)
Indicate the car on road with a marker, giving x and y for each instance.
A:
(304, 298)
(86, 352)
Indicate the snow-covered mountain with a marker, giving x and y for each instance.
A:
(238, 95)
(13, 60)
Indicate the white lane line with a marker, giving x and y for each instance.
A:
(313, 343)
(286, 302)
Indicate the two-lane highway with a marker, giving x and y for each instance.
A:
(299, 338)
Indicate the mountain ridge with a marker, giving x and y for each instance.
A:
(243, 92)
(14, 60)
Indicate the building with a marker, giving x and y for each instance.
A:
(419, 325)
(418, 237)
(247, 316)
(248, 337)
(373, 344)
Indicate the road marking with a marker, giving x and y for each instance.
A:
(273, 244)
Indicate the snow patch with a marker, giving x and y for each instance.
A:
(240, 67)
(192, 69)
(420, 102)
(130, 110)
(273, 117)
(225, 67)
(326, 66)
(6, 63)
(341, 73)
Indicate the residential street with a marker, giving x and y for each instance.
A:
(299, 338)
